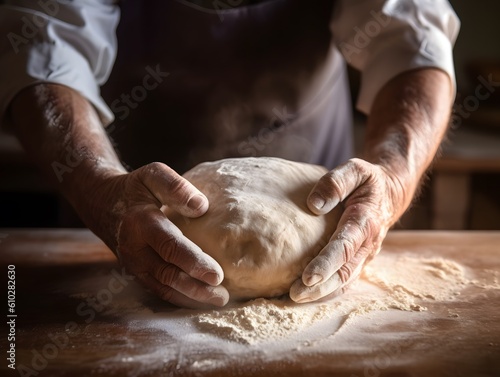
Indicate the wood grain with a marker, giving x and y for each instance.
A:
(58, 270)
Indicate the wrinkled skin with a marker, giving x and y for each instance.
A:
(122, 208)
(408, 120)
(368, 215)
(150, 246)
(406, 124)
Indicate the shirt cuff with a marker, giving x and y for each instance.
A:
(390, 60)
(49, 63)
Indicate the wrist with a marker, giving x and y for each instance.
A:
(406, 124)
(401, 187)
(85, 189)
(64, 135)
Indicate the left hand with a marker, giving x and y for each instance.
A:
(373, 199)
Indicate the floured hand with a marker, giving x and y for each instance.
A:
(406, 124)
(122, 208)
(126, 211)
(373, 202)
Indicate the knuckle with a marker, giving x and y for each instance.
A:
(361, 169)
(168, 248)
(177, 184)
(345, 272)
(348, 238)
(348, 249)
(174, 182)
(154, 167)
(358, 164)
(166, 294)
(359, 221)
(179, 188)
(167, 275)
(331, 184)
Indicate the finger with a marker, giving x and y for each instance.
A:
(171, 245)
(173, 190)
(219, 298)
(301, 293)
(336, 185)
(171, 276)
(149, 263)
(347, 240)
(332, 287)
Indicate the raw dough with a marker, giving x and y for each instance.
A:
(258, 226)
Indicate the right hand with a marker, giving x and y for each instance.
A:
(122, 208)
(124, 211)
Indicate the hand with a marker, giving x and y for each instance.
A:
(125, 212)
(373, 201)
(122, 208)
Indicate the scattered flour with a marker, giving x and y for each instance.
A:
(492, 280)
(261, 319)
(407, 283)
(389, 282)
(382, 309)
(407, 279)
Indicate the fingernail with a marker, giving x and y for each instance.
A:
(211, 278)
(317, 201)
(218, 301)
(312, 280)
(220, 297)
(196, 202)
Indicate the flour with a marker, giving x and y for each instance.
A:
(390, 285)
(261, 319)
(409, 279)
(407, 283)
(491, 280)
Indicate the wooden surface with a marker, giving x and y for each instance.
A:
(56, 270)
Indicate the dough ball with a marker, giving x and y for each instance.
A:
(258, 226)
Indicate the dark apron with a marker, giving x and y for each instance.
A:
(257, 80)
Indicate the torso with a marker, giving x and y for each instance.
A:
(254, 80)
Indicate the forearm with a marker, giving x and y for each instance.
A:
(62, 133)
(123, 209)
(407, 123)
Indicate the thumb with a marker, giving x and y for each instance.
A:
(336, 185)
(173, 190)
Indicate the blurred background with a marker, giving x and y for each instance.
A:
(462, 190)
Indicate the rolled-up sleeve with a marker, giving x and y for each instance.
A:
(72, 43)
(385, 38)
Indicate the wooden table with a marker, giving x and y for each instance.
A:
(56, 271)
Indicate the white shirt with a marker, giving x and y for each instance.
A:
(73, 43)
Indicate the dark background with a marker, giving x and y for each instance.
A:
(27, 199)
